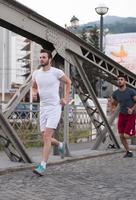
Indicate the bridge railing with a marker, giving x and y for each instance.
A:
(25, 120)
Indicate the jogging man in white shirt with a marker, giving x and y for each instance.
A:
(46, 82)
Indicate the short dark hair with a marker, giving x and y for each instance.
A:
(46, 51)
(121, 75)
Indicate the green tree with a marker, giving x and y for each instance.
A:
(93, 37)
(83, 35)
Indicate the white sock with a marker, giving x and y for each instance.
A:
(60, 145)
(43, 163)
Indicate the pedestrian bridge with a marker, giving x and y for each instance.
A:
(82, 61)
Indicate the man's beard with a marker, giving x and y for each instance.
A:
(44, 64)
(121, 86)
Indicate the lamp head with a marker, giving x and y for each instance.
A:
(101, 9)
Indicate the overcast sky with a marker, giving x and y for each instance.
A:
(61, 11)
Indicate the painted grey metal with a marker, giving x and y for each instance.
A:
(101, 137)
(30, 24)
(78, 83)
(91, 94)
(66, 115)
(108, 72)
(22, 91)
(13, 146)
(11, 142)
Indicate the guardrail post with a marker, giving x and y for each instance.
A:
(66, 115)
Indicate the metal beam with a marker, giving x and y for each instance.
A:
(91, 93)
(11, 142)
(30, 24)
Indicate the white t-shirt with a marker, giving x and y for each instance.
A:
(48, 85)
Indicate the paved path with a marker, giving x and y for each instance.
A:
(77, 151)
(110, 177)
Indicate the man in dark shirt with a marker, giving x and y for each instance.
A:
(126, 97)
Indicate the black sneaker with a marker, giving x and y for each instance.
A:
(129, 154)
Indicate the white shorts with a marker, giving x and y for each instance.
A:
(49, 117)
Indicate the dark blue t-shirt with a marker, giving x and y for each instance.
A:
(125, 99)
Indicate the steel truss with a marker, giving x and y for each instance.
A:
(85, 62)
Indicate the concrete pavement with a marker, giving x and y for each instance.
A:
(109, 177)
(77, 152)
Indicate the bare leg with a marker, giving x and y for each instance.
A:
(48, 141)
(47, 138)
(54, 141)
(124, 142)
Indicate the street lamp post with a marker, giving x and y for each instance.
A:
(101, 10)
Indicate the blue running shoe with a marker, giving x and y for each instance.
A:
(39, 170)
(62, 151)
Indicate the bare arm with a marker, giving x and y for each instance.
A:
(132, 109)
(114, 103)
(34, 90)
(64, 79)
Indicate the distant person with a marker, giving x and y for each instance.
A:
(46, 81)
(126, 97)
(110, 107)
(110, 111)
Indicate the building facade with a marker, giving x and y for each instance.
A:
(14, 60)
